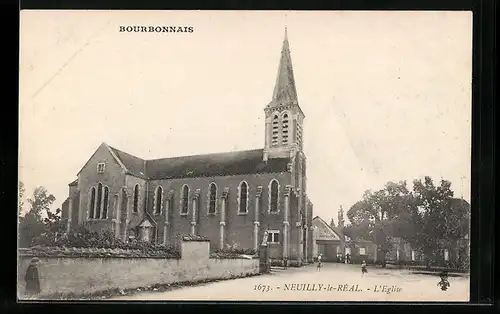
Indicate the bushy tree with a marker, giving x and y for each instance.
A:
(440, 219)
(428, 217)
(378, 216)
(31, 225)
(40, 201)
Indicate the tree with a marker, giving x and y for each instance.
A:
(20, 201)
(440, 219)
(428, 217)
(381, 215)
(332, 223)
(40, 201)
(31, 225)
(341, 217)
(53, 222)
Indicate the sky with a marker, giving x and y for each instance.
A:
(386, 95)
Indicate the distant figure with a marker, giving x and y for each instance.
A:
(31, 278)
(285, 262)
(348, 258)
(363, 268)
(444, 283)
(319, 262)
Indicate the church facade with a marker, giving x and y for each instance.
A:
(231, 198)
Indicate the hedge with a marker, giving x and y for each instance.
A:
(97, 244)
(72, 252)
(232, 253)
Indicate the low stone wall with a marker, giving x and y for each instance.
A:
(79, 276)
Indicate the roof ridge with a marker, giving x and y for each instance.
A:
(124, 152)
(208, 154)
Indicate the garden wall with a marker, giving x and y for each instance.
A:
(79, 276)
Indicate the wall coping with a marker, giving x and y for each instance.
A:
(195, 238)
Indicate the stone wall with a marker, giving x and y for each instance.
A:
(61, 276)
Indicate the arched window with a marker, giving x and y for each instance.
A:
(273, 193)
(105, 203)
(92, 203)
(243, 197)
(124, 208)
(158, 200)
(135, 208)
(99, 200)
(212, 198)
(275, 130)
(185, 200)
(284, 129)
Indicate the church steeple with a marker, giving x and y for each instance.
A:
(284, 89)
(284, 118)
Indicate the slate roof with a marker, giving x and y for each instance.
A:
(220, 164)
(339, 231)
(134, 165)
(207, 165)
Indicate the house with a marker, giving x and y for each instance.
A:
(326, 240)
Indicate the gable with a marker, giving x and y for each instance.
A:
(146, 224)
(324, 231)
(102, 154)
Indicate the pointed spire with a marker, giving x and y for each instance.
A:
(284, 90)
(285, 41)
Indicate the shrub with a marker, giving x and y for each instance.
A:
(232, 253)
(276, 262)
(85, 238)
(237, 251)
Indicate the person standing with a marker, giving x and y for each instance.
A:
(32, 278)
(363, 268)
(319, 262)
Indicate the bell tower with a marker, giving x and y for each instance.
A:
(284, 118)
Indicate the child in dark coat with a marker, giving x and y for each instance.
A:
(31, 278)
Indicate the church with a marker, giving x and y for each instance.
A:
(231, 198)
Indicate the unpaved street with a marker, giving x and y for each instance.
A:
(335, 282)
